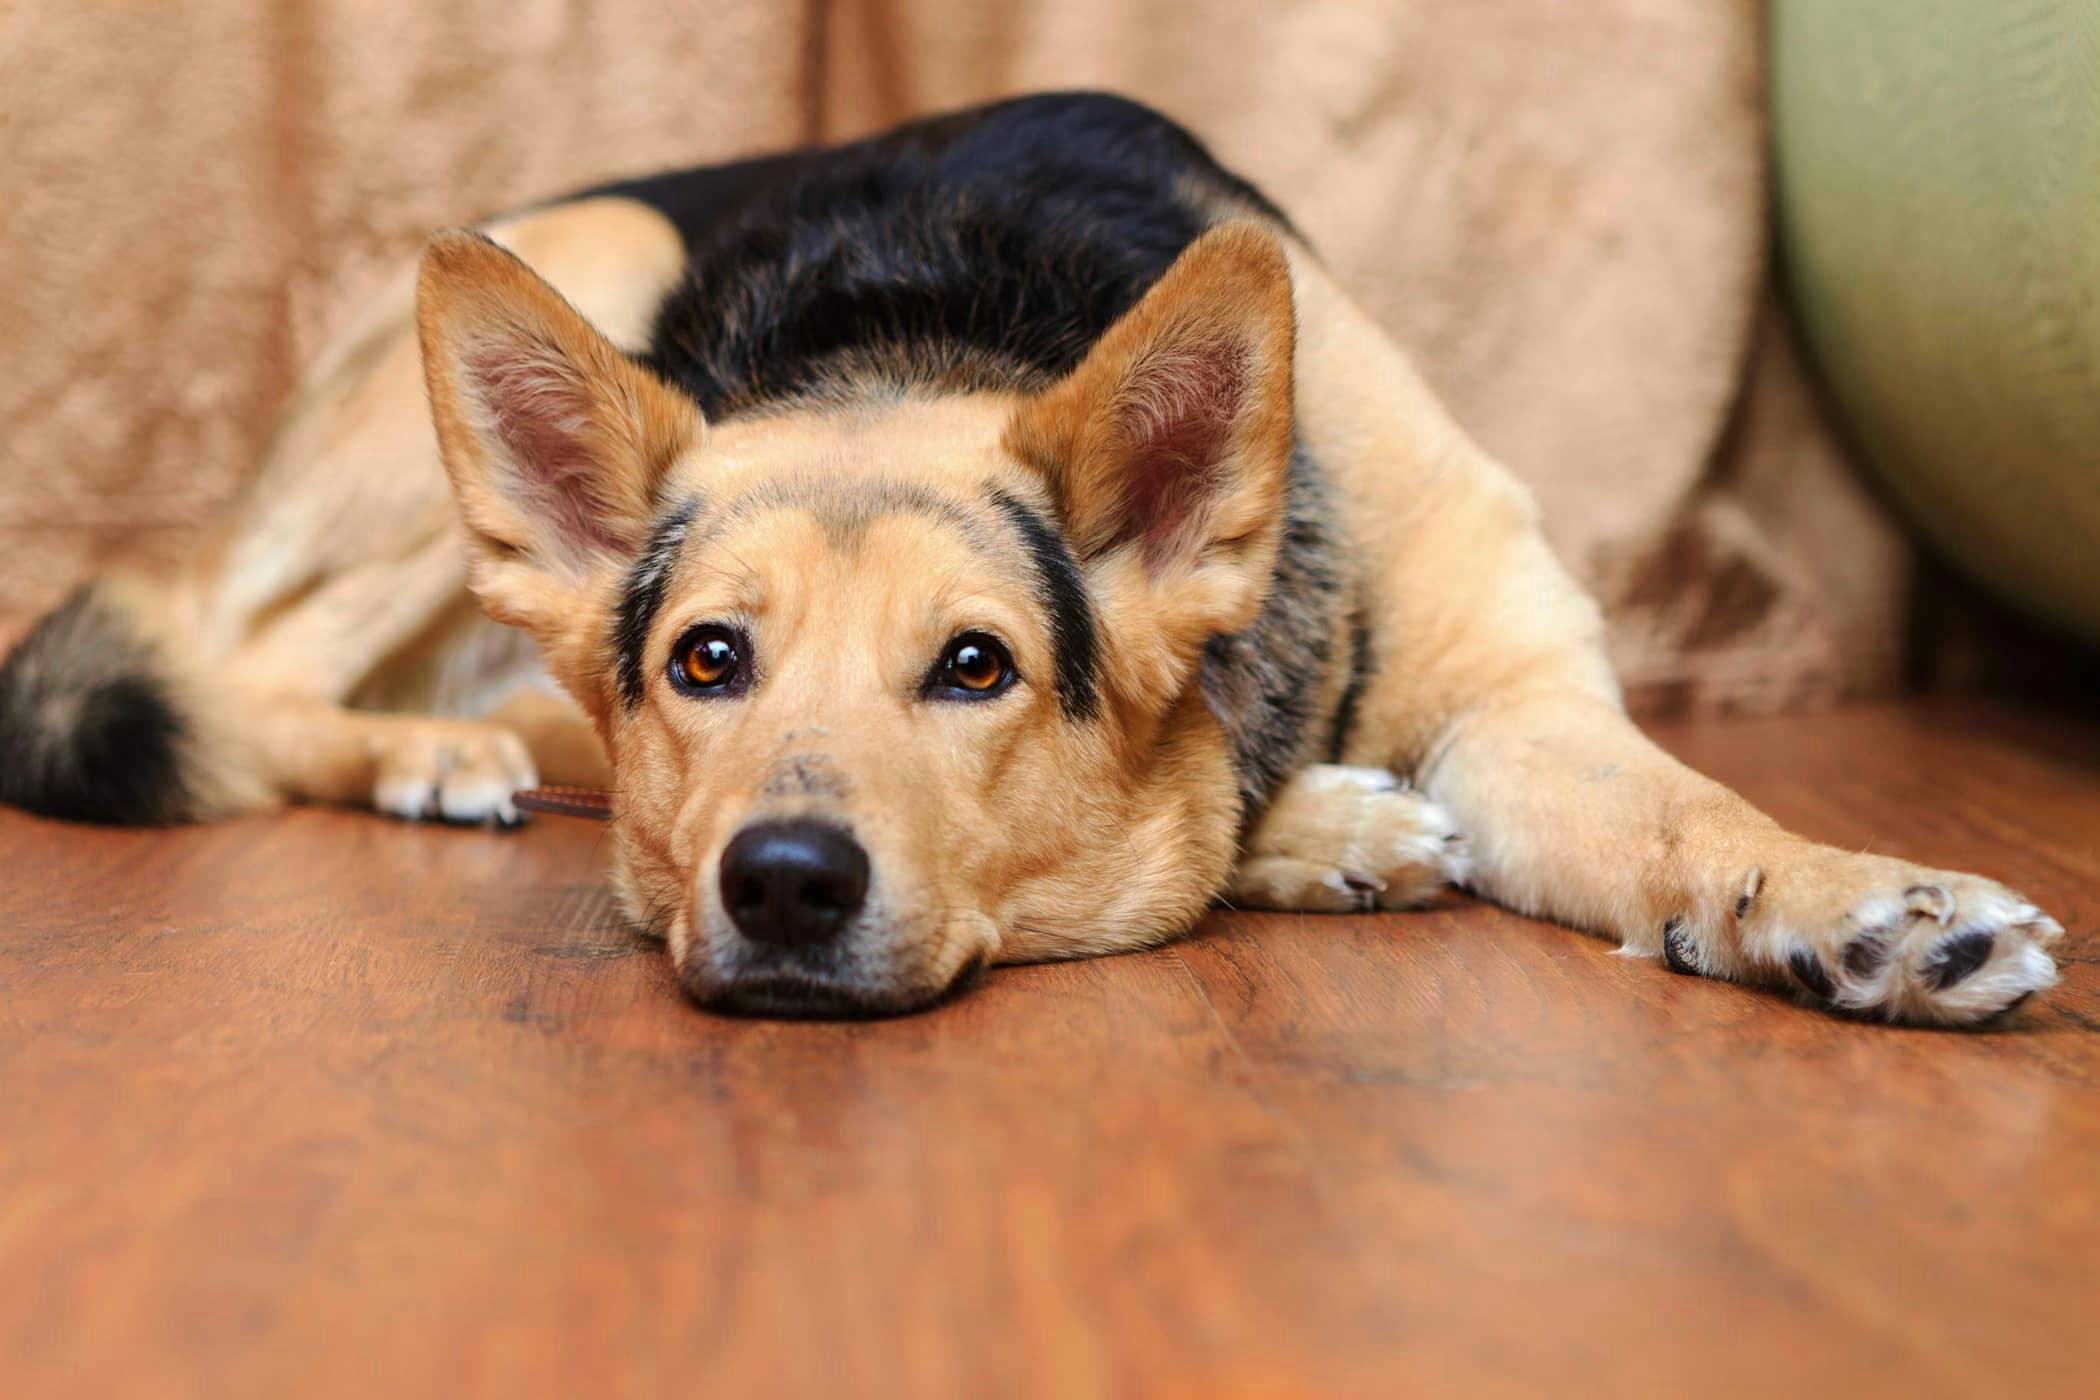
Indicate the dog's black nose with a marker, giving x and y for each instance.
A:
(793, 883)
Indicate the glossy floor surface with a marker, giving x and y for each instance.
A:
(322, 1104)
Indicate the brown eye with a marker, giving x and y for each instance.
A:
(975, 665)
(708, 660)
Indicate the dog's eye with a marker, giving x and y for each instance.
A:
(974, 666)
(709, 660)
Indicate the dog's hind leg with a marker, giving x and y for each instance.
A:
(224, 687)
(1490, 684)
(1337, 839)
(338, 569)
(341, 571)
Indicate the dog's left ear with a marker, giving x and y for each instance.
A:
(1167, 449)
(556, 444)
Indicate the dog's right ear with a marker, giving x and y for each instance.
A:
(555, 441)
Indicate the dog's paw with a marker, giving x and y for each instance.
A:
(1340, 839)
(453, 770)
(1873, 936)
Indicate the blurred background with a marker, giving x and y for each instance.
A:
(1564, 211)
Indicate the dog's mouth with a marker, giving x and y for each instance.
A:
(807, 996)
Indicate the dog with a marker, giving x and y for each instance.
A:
(994, 540)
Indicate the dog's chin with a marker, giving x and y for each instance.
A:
(803, 996)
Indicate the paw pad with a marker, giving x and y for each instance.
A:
(1809, 971)
(1956, 958)
(1864, 955)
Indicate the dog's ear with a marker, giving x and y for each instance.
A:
(1167, 449)
(555, 441)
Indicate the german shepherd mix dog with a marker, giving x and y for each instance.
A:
(992, 541)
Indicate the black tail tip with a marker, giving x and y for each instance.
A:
(88, 730)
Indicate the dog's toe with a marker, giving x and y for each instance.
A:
(406, 796)
(478, 801)
(456, 771)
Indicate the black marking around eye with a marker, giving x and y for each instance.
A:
(1063, 593)
(643, 596)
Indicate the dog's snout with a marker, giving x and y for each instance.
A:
(793, 883)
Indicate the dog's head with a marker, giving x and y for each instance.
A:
(895, 686)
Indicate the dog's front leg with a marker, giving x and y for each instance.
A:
(1490, 683)
(1577, 816)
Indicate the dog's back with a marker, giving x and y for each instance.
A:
(983, 250)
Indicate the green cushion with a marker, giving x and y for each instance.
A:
(1938, 172)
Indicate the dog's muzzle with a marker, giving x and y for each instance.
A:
(795, 890)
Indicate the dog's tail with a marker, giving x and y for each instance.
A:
(96, 726)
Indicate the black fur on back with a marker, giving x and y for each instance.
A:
(88, 732)
(983, 249)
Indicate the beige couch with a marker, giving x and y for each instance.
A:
(1560, 207)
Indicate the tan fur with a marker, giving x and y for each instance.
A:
(999, 831)
(1339, 839)
(1493, 688)
(483, 315)
(1227, 299)
(338, 576)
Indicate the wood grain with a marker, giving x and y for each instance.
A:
(317, 1104)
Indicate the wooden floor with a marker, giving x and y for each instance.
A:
(321, 1104)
